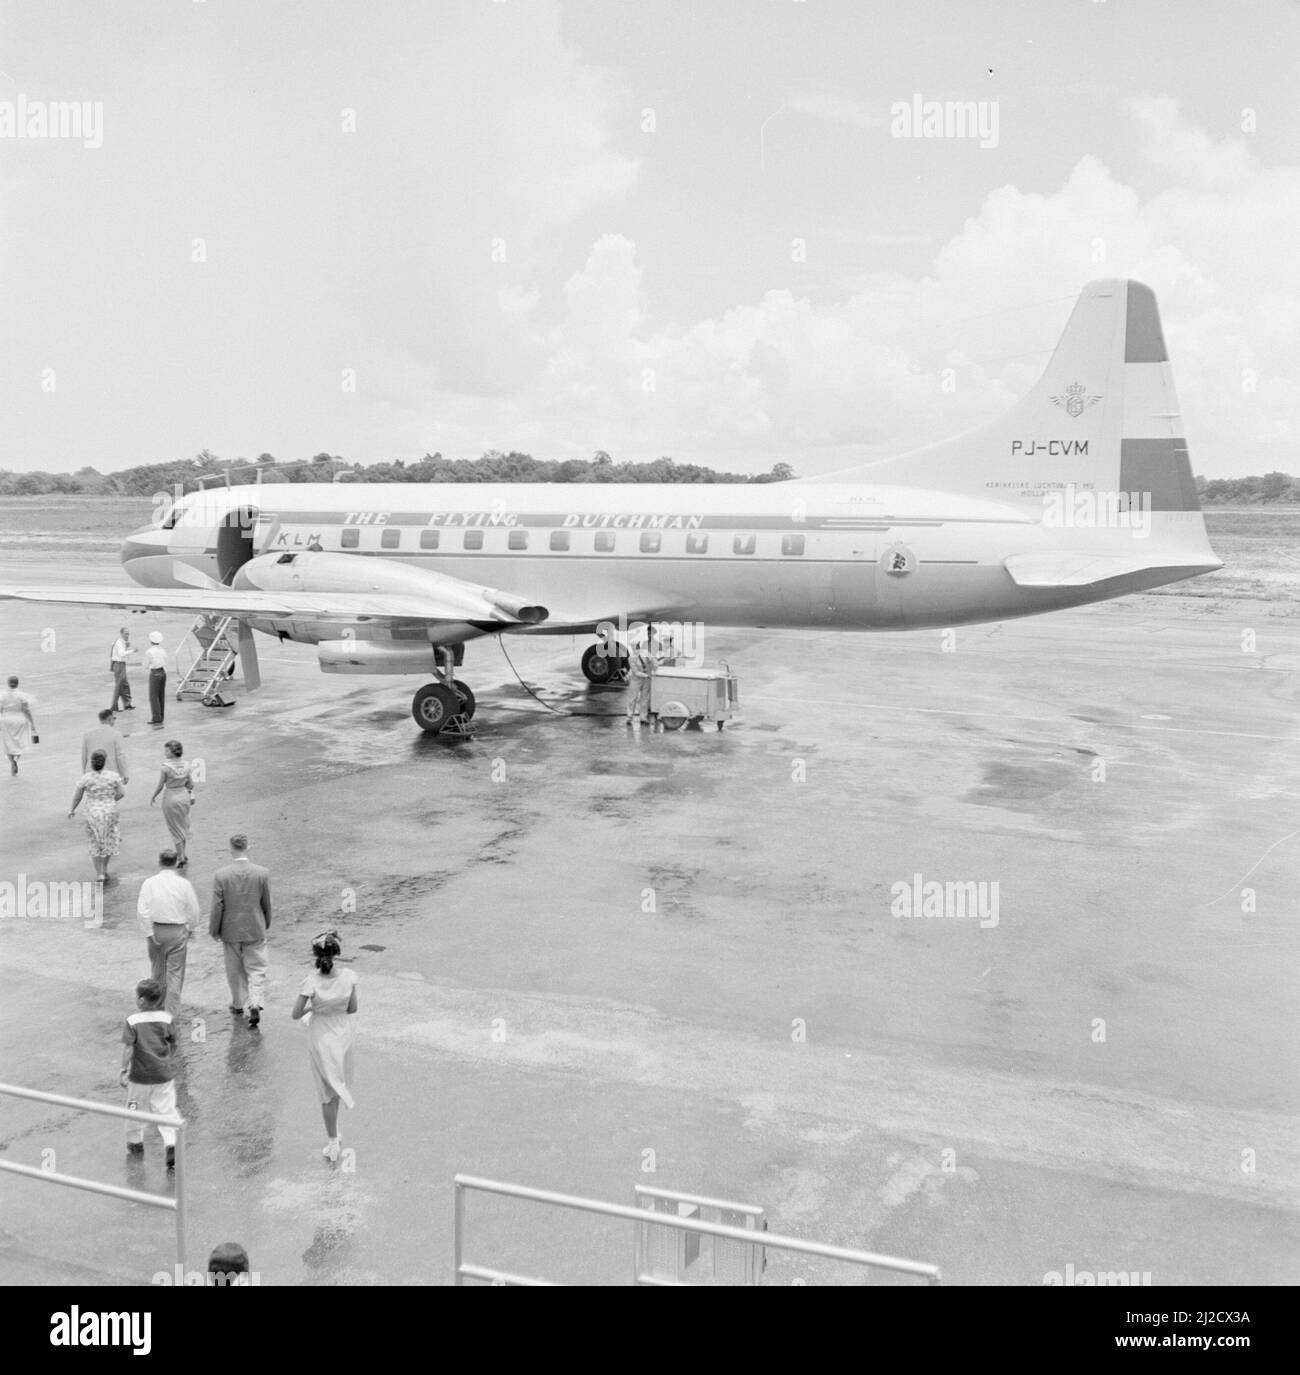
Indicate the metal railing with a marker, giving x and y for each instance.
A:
(465, 1183)
(223, 474)
(174, 1204)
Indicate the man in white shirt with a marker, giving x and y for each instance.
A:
(169, 907)
(118, 656)
(155, 660)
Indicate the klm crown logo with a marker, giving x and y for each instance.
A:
(1075, 401)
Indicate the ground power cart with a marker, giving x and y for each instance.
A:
(680, 696)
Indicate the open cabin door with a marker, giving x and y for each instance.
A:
(236, 541)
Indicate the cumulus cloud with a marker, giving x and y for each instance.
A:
(557, 149)
(897, 361)
(1188, 152)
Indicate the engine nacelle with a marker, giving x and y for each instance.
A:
(445, 597)
(376, 656)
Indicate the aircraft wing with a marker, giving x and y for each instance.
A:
(447, 602)
(451, 605)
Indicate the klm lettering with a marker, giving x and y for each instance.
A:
(588, 522)
(298, 539)
(1053, 448)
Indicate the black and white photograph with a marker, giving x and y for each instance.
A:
(650, 644)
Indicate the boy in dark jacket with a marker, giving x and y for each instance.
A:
(148, 1066)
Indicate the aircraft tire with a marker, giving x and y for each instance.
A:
(433, 706)
(603, 669)
(674, 716)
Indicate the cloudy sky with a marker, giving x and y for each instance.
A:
(669, 227)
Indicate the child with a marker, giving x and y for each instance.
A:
(148, 1055)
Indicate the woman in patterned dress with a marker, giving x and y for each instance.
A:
(102, 789)
(177, 788)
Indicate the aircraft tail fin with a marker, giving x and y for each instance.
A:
(1103, 418)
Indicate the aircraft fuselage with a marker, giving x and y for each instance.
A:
(852, 557)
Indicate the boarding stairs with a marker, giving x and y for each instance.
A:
(217, 647)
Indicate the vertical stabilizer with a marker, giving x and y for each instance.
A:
(1103, 418)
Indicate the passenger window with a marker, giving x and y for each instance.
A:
(744, 544)
(473, 539)
(350, 538)
(792, 544)
(604, 541)
(428, 539)
(559, 539)
(391, 539)
(650, 542)
(518, 539)
(697, 544)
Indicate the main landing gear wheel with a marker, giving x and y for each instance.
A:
(601, 667)
(434, 705)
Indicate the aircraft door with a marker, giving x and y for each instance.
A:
(235, 541)
(853, 576)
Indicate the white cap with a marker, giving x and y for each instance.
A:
(155, 637)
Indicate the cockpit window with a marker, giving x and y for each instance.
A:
(172, 517)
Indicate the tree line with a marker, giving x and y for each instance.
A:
(149, 478)
(494, 466)
(1272, 487)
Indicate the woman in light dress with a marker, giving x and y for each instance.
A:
(102, 789)
(177, 787)
(328, 999)
(16, 724)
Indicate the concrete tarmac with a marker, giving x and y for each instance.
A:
(592, 958)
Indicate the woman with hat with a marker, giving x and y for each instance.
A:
(155, 661)
(328, 999)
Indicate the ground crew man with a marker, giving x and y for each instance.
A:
(155, 660)
(642, 660)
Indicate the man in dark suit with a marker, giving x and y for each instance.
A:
(240, 919)
(108, 738)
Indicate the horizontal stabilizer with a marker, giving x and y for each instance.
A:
(1065, 569)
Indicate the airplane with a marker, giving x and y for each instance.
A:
(1081, 493)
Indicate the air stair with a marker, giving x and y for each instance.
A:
(217, 648)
